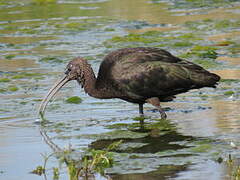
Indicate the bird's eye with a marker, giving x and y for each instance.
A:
(68, 69)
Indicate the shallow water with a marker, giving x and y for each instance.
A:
(37, 41)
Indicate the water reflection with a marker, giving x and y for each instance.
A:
(153, 143)
(162, 173)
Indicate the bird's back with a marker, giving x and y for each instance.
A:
(141, 73)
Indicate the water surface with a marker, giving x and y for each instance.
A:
(37, 41)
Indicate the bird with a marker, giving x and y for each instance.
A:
(137, 75)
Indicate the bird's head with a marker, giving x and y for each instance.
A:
(74, 71)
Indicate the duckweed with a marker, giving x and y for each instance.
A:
(74, 100)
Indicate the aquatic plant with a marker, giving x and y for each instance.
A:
(190, 4)
(51, 59)
(74, 100)
(90, 162)
(41, 2)
(4, 80)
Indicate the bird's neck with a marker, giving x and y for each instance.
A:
(88, 83)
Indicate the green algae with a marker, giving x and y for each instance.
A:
(162, 125)
(109, 29)
(229, 81)
(226, 23)
(209, 25)
(76, 26)
(130, 38)
(201, 148)
(204, 55)
(118, 126)
(235, 49)
(2, 90)
(139, 118)
(10, 88)
(13, 88)
(10, 56)
(209, 54)
(25, 75)
(23, 102)
(149, 125)
(51, 59)
(207, 63)
(146, 38)
(225, 43)
(190, 36)
(74, 100)
(89, 58)
(44, 2)
(192, 4)
(116, 134)
(229, 93)
(203, 48)
(182, 44)
(3, 80)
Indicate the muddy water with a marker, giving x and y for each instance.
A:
(36, 42)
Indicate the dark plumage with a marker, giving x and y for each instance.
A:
(137, 75)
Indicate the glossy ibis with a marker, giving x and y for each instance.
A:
(137, 75)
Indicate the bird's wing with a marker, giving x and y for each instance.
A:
(149, 72)
(149, 76)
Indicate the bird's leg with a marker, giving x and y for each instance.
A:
(141, 116)
(155, 102)
(141, 110)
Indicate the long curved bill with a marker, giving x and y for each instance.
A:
(59, 84)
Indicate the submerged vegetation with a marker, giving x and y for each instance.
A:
(180, 4)
(44, 2)
(87, 165)
(74, 100)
